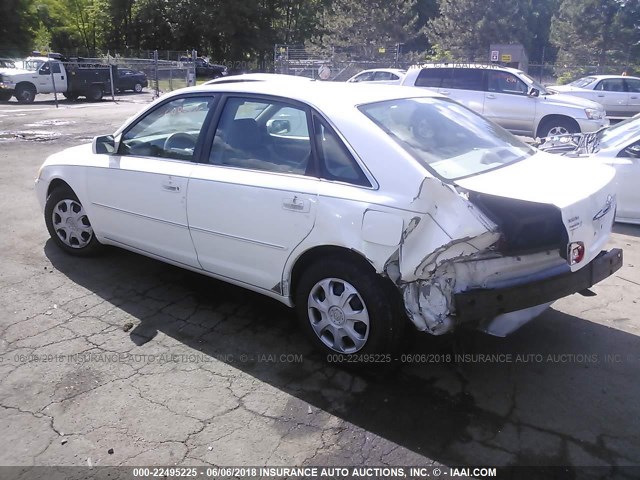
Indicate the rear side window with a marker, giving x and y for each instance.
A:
(432, 77)
(336, 163)
(464, 79)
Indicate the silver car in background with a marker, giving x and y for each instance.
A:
(617, 146)
(619, 94)
(510, 98)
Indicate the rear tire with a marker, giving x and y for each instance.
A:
(25, 93)
(69, 225)
(348, 310)
(95, 93)
(557, 126)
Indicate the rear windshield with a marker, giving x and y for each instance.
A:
(448, 139)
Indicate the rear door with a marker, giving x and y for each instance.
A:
(465, 85)
(252, 202)
(611, 93)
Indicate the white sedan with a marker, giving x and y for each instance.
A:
(617, 146)
(619, 94)
(366, 208)
(382, 76)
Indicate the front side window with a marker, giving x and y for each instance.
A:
(381, 76)
(505, 82)
(262, 135)
(448, 139)
(364, 77)
(611, 85)
(45, 69)
(169, 131)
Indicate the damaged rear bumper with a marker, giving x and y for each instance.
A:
(490, 305)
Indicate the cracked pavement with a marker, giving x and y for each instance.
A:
(161, 366)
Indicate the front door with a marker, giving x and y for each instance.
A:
(139, 195)
(508, 104)
(51, 78)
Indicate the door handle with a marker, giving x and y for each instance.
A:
(170, 188)
(295, 204)
(491, 96)
(601, 95)
(445, 92)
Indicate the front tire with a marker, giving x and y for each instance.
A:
(557, 126)
(69, 225)
(5, 96)
(137, 88)
(347, 309)
(25, 93)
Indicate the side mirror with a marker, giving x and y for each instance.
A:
(104, 144)
(632, 151)
(278, 126)
(534, 92)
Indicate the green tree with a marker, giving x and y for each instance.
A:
(466, 28)
(18, 26)
(598, 32)
(367, 25)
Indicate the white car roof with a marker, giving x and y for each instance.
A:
(326, 96)
(256, 77)
(605, 77)
(483, 66)
(390, 70)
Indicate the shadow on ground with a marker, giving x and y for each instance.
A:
(561, 391)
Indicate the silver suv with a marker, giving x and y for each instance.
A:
(510, 98)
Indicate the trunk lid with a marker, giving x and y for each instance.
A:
(584, 193)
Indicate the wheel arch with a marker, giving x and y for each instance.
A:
(58, 183)
(554, 117)
(315, 254)
(26, 84)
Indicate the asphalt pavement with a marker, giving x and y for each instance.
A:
(123, 360)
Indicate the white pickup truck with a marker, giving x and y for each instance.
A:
(48, 75)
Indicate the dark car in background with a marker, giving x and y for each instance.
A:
(131, 80)
(206, 69)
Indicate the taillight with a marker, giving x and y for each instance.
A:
(575, 253)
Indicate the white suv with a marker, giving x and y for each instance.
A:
(510, 98)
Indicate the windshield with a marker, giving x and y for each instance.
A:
(448, 139)
(532, 82)
(620, 134)
(32, 65)
(582, 82)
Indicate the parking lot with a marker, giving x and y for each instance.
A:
(123, 360)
